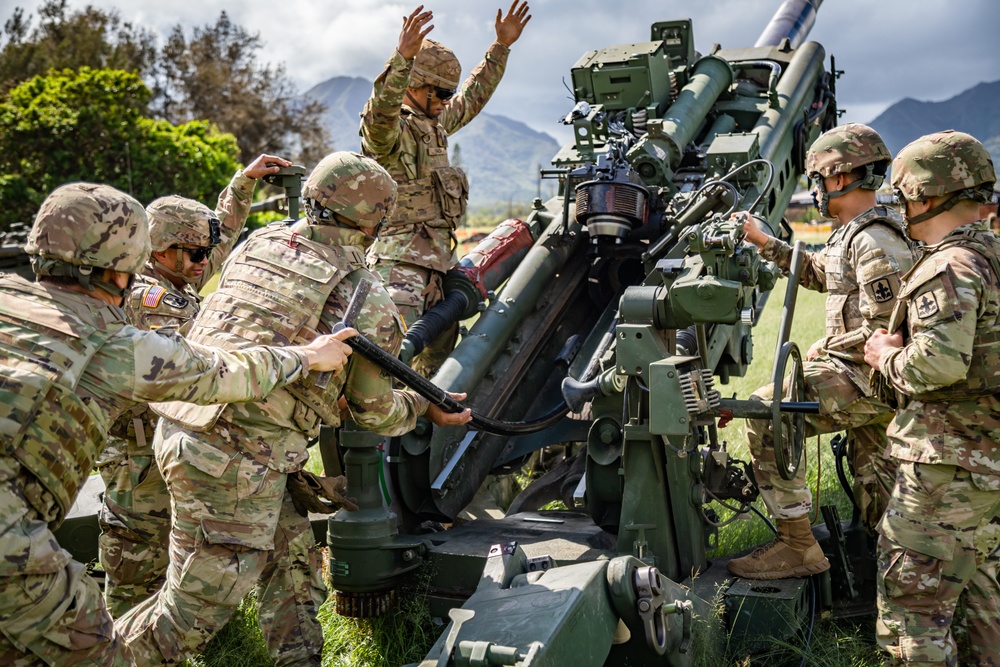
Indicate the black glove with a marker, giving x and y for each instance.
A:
(307, 490)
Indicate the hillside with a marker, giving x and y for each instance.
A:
(972, 111)
(500, 155)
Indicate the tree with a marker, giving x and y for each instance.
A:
(216, 74)
(89, 125)
(91, 37)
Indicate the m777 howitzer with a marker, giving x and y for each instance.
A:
(625, 298)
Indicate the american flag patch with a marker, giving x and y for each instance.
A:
(153, 296)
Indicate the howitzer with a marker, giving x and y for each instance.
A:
(636, 297)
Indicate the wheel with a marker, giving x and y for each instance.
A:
(788, 428)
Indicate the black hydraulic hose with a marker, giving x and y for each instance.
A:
(436, 320)
(440, 397)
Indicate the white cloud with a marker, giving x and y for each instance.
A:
(927, 49)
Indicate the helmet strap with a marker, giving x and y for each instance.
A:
(946, 205)
(423, 108)
(113, 288)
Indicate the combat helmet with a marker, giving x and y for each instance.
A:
(944, 163)
(81, 227)
(355, 187)
(841, 150)
(435, 65)
(176, 220)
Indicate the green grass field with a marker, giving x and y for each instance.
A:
(406, 636)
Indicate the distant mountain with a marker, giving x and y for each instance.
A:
(500, 155)
(973, 111)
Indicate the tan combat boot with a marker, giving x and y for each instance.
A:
(795, 553)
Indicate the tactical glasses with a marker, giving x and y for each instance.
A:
(444, 94)
(197, 255)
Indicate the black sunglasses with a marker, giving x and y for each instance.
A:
(197, 255)
(444, 94)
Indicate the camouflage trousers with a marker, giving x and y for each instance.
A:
(937, 555)
(233, 529)
(415, 289)
(51, 611)
(135, 527)
(841, 406)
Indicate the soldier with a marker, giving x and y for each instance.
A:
(189, 242)
(938, 543)
(415, 104)
(234, 473)
(69, 364)
(860, 267)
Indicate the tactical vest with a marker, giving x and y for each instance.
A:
(841, 277)
(429, 190)
(55, 433)
(983, 377)
(272, 292)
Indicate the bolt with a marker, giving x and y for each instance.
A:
(644, 606)
(409, 555)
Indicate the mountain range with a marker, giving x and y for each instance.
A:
(972, 111)
(502, 155)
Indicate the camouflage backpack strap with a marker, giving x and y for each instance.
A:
(876, 214)
(44, 424)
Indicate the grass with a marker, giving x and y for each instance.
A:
(406, 636)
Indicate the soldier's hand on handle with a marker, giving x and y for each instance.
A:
(754, 234)
(264, 165)
(329, 353)
(509, 27)
(442, 418)
(880, 341)
(413, 32)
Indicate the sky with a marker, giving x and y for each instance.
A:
(889, 50)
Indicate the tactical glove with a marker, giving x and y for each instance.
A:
(307, 491)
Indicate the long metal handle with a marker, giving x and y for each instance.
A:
(354, 307)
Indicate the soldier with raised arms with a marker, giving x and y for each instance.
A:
(415, 105)
(939, 538)
(69, 365)
(235, 473)
(189, 243)
(860, 268)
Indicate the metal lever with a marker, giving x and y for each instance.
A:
(458, 617)
(650, 608)
(347, 321)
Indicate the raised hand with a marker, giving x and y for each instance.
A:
(264, 165)
(414, 30)
(509, 27)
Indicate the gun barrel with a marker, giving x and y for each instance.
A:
(794, 19)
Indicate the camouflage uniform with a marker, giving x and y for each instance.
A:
(860, 267)
(135, 515)
(226, 468)
(417, 244)
(940, 533)
(69, 365)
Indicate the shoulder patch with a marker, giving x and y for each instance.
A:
(882, 291)
(175, 301)
(151, 299)
(927, 304)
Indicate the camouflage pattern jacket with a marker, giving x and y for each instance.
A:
(69, 365)
(285, 284)
(155, 302)
(949, 369)
(413, 148)
(860, 267)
